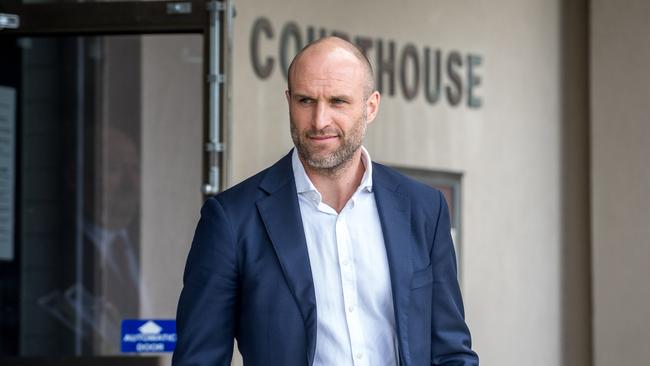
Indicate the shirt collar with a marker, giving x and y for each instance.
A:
(366, 180)
(304, 184)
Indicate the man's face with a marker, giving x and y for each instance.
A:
(328, 110)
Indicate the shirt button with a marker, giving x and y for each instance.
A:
(345, 262)
(359, 355)
(351, 308)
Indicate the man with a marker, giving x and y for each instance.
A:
(324, 258)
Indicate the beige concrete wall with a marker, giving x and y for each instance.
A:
(620, 136)
(522, 155)
(575, 265)
(172, 142)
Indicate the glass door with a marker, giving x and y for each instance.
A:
(103, 134)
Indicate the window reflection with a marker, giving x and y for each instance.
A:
(96, 117)
(93, 280)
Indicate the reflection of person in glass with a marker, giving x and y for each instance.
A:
(325, 258)
(111, 228)
(109, 290)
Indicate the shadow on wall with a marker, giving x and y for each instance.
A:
(575, 317)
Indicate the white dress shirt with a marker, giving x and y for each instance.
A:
(354, 301)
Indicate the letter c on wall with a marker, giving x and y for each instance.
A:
(261, 25)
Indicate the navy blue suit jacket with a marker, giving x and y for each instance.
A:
(248, 276)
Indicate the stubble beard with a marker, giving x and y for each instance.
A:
(333, 163)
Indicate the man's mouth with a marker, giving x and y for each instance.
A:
(323, 137)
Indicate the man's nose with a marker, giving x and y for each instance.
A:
(322, 116)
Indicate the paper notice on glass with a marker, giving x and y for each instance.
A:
(7, 170)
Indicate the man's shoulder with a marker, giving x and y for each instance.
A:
(402, 183)
(246, 188)
(425, 201)
(251, 189)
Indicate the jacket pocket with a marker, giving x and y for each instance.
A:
(422, 278)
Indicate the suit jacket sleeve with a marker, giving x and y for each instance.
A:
(450, 337)
(207, 307)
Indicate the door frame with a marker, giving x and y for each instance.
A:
(211, 19)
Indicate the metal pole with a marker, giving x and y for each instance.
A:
(215, 79)
(228, 41)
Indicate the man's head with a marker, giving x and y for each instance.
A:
(331, 100)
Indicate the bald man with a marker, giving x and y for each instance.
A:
(325, 258)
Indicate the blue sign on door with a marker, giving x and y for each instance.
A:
(143, 336)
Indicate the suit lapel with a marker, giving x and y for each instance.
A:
(280, 213)
(394, 216)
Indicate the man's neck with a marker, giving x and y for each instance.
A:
(337, 186)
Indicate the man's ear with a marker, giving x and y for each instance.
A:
(372, 106)
(287, 94)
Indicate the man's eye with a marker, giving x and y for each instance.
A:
(305, 100)
(338, 101)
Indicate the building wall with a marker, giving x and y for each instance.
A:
(522, 153)
(575, 265)
(620, 79)
(172, 143)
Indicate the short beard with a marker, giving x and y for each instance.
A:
(331, 164)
